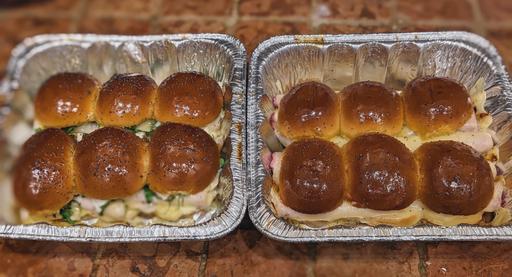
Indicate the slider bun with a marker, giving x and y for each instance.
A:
(43, 173)
(189, 98)
(370, 107)
(309, 110)
(126, 100)
(311, 176)
(381, 172)
(455, 179)
(110, 163)
(66, 99)
(436, 106)
(183, 158)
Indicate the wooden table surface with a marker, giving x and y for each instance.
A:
(246, 252)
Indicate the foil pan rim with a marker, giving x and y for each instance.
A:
(258, 209)
(218, 226)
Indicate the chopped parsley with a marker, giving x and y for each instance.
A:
(178, 197)
(69, 130)
(148, 194)
(224, 158)
(132, 128)
(66, 212)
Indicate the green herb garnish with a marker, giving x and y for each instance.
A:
(104, 206)
(66, 212)
(132, 128)
(178, 197)
(69, 130)
(148, 194)
(222, 162)
(39, 130)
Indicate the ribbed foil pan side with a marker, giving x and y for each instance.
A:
(337, 60)
(219, 56)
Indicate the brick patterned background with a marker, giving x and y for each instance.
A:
(246, 252)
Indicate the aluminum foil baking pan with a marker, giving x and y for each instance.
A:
(219, 56)
(337, 60)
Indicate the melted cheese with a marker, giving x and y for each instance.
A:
(477, 95)
(481, 141)
(189, 204)
(219, 128)
(502, 216)
(450, 220)
(131, 210)
(340, 141)
(409, 216)
(495, 202)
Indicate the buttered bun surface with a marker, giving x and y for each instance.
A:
(380, 171)
(309, 110)
(436, 106)
(190, 98)
(183, 158)
(455, 179)
(126, 100)
(370, 107)
(43, 173)
(66, 99)
(311, 176)
(111, 163)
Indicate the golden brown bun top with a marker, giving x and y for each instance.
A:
(381, 172)
(370, 107)
(190, 98)
(43, 173)
(183, 158)
(455, 179)
(311, 176)
(110, 163)
(126, 100)
(66, 99)
(436, 106)
(309, 110)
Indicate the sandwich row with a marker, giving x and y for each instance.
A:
(113, 163)
(376, 171)
(70, 99)
(429, 106)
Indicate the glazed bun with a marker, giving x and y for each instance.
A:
(370, 107)
(43, 173)
(308, 110)
(189, 98)
(381, 172)
(110, 163)
(66, 99)
(126, 100)
(455, 179)
(183, 158)
(436, 106)
(311, 176)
